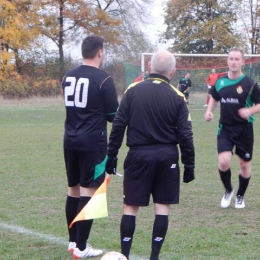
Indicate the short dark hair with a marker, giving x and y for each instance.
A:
(91, 45)
(238, 50)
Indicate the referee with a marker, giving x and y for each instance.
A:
(157, 120)
(90, 101)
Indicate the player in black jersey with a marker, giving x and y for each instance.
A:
(239, 98)
(90, 101)
(184, 86)
(157, 120)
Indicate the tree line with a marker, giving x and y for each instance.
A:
(28, 66)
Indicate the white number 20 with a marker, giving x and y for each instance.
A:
(81, 97)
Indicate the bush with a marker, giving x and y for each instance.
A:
(19, 86)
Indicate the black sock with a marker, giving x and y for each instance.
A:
(84, 226)
(160, 228)
(71, 210)
(127, 229)
(226, 179)
(243, 183)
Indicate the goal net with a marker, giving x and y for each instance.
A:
(200, 65)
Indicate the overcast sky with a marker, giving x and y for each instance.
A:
(157, 25)
(153, 30)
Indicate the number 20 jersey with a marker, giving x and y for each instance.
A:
(90, 101)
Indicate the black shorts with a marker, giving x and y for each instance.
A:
(85, 168)
(186, 94)
(240, 136)
(152, 170)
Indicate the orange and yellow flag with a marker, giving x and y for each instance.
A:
(97, 205)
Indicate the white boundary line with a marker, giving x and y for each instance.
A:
(25, 231)
(45, 237)
(30, 109)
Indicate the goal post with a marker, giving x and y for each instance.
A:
(200, 65)
(150, 54)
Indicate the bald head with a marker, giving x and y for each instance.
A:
(163, 63)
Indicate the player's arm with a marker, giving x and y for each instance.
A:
(208, 116)
(255, 109)
(185, 140)
(116, 136)
(109, 95)
(62, 85)
(220, 74)
(207, 80)
(247, 112)
(179, 85)
(189, 84)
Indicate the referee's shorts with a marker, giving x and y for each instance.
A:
(152, 170)
(239, 136)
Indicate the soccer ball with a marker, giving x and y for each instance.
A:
(113, 256)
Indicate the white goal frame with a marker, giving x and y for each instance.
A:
(190, 55)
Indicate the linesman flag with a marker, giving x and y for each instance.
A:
(97, 205)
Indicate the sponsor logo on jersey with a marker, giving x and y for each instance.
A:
(222, 82)
(230, 100)
(173, 166)
(239, 90)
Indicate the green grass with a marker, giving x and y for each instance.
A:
(33, 192)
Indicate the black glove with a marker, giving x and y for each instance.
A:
(188, 174)
(111, 165)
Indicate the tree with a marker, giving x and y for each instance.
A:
(15, 31)
(113, 19)
(63, 20)
(201, 26)
(248, 13)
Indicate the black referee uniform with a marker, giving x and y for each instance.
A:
(157, 120)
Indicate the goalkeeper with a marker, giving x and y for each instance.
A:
(210, 81)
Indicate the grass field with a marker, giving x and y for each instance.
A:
(33, 192)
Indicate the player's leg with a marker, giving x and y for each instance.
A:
(208, 95)
(72, 201)
(160, 227)
(138, 172)
(244, 150)
(187, 97)
(224, 160)
(165, 191)
(92, 175)
(244, 178)
(207, 100)
(225, 146)
(245, 168)
(71, 210)
(127, 228)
